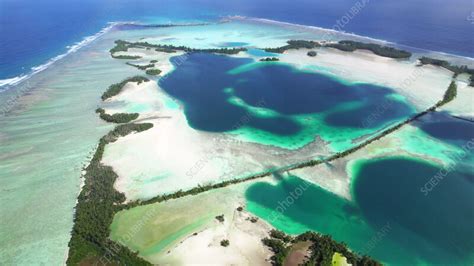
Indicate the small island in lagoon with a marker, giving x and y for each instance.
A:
(222, 154)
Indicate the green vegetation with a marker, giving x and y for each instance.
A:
(128, 57)
(269, 59)
(116, 88)
(153, 72)
(280, 235)
(279, 249)
(445, 64)
(165, 50)
(225, 243)
(312, 53)
(194, 191)
(450, 94)
(234, 50)
(98, 201)
(121, 45)
(124, 130)
(350, 46)
(119, 118)
(322, 249)
(220, 218)
(141, 67)
(96, 208)
(338, 259)
(454, 68)
(293, 44)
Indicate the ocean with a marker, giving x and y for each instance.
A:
(35, 34)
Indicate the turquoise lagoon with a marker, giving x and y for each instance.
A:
(398, 214)
(277, 104)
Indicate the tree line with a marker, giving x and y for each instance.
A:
(454, 68)
(121, 45)
(321, 250)
(96, 207)
(119, 118)
(385, 51)
(116, 88)
(293, 44)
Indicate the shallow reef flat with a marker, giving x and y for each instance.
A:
(47, 135)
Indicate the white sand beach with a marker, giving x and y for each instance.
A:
(245, 244)
(463, 104)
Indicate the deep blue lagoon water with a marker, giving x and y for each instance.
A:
(35, 31)
(205, 83)
(447, 128)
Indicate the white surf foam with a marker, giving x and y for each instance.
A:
(348, 34)
(289, 24)
(7, 83)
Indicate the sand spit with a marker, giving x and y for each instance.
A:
(463, 104)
